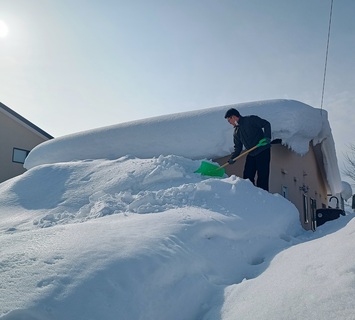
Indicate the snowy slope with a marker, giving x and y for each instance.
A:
(316, 279)
(109, 233)
(148, 239)
(145, 238)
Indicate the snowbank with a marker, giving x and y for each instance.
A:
(147, 239)
(132, 238)
(107, 224)
(323, 272)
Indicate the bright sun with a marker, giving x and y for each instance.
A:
(4, 30)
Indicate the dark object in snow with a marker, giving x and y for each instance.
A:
(328, 214)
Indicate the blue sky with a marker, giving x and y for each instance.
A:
(71, 65)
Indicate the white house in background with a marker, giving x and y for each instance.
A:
(18, 137)
(304, 167)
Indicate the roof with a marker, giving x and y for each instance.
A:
(199, 134)
(24, 121)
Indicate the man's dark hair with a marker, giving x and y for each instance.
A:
(232, 112)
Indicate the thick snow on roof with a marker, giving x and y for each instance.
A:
(200, 134)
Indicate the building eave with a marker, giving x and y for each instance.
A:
(18, 118)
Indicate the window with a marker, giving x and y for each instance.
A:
(19, 155)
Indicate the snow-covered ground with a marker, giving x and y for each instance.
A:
(147, 238)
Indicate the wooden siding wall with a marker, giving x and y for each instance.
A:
(14, 135)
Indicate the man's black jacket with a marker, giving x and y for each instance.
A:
(249, 131)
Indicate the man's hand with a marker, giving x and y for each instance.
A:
(231, 161)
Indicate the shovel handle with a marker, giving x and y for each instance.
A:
(262, 142)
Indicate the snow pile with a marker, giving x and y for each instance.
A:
(324, 269)
(347, 190)
(196, 135)
(132, 238)
(149, 239)
(144, 237)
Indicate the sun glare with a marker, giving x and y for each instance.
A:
(4, 30)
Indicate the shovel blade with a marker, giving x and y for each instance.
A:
(210, 169)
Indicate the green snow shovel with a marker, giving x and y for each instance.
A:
(210, 169)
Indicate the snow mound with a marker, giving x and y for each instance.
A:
(330, 272)
(126, 238)
(75, 191)
(347, 191)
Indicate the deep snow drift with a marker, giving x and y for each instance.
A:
(146, 238)
(196, 135)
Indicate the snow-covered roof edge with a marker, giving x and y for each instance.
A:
(198, 134)
(330, 160)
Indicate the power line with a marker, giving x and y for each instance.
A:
(326, 53)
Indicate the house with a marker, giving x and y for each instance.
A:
(304, 166)
(299, 178)
(309, 178)
(18, 137)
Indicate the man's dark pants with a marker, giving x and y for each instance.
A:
(259, 164)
